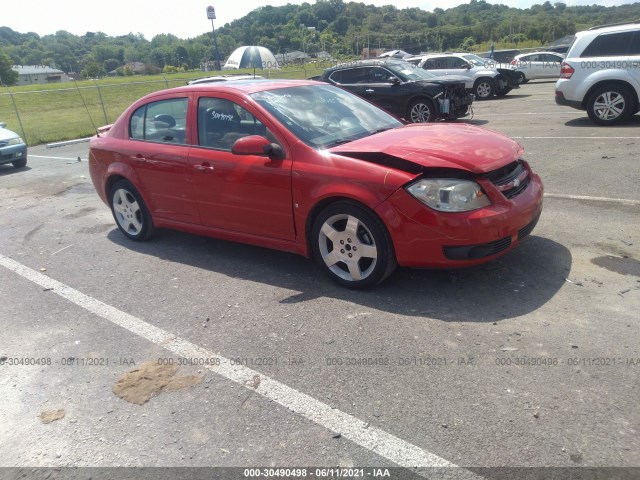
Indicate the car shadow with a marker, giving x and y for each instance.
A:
(8, 169)
(516, 284)
(509, 96)
(633, 122)
(474, 121)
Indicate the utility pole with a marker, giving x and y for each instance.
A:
(211, 14)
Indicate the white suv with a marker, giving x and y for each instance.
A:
(601, 73)
(483, 79)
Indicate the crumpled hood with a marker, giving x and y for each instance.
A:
(465, 147)
(448, 80)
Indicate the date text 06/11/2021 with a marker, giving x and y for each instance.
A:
(323, 472)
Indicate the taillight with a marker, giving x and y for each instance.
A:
(566, 70)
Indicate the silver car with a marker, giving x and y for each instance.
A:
(532, 66)
(12, 148)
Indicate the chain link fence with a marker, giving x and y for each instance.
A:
(66, 111)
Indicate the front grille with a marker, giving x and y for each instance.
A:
(511, 180)
(472, 252)
(526, 230)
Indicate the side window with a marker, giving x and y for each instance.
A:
(162, 121)
(612, 44)
(221, 122)
(437, 63)
(354, 75)
(455, 62)
(336, 77)
(380, 75)
(634, 48)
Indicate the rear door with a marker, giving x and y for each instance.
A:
(535, 66)
(239, 193)
(158, 153)
(550, 65)
(634, 60)
(449, 65)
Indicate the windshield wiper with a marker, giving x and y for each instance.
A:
(339, 142)
(380, 130)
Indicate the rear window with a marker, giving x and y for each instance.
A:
(609, 45)
(162, 121)
(634, 48)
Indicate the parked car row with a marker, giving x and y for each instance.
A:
(311, 168)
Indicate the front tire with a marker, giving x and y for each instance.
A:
(130, 212)
(421, 111)
(352, 245)
(520, 78)
(484, 88)
(20, 163)
(610, 104)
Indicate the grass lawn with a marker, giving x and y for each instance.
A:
(70, 110)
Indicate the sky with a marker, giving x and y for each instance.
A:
(184, 19)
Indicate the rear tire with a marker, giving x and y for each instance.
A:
(521, 78)
(130, 212)
(610, 104)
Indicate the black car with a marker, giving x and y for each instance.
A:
(409, 93)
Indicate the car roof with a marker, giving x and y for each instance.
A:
(368, 63)
(441, 54)
(248, 86)
(537, 53)
(223, 78)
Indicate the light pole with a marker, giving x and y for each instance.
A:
(211, 14)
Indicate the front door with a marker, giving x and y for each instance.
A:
(240, 193)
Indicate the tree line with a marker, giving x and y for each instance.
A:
(340, 28)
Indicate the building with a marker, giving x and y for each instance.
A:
(34, 74)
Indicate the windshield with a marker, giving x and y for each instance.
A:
(411, 72)
(476, 60)
(323, 116)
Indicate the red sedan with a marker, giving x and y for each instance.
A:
(312, 169)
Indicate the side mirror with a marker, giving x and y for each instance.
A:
(2, 124)
(395, 81)
(257, 145)
(468, 66)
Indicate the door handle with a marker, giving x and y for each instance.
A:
(140, 158)
(369, 90)
(205, 167)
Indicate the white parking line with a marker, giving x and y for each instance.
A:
(582, 138)
(523, 113)
(54, 158)
(358, 431)
(624, 201)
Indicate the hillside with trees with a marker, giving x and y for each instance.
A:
(338, 27)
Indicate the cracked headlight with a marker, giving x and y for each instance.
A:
(449, 195)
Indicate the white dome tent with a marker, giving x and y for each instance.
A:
(251, 57)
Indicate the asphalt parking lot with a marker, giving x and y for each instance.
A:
(260, 361)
